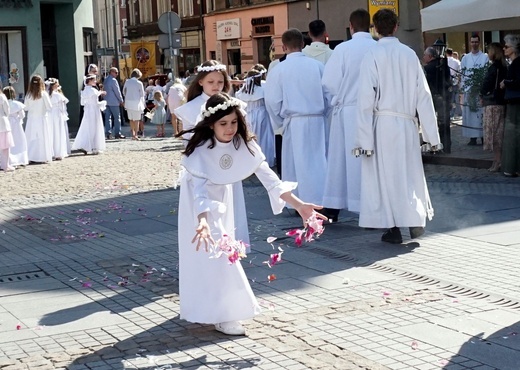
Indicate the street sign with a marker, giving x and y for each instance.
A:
(164, 41)
(169, 22)
(167, 53)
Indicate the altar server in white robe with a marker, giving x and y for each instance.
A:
(296, 102)
(252, 93)
(38, 129)
(211, 79)
(472, 111)
(392, 92)
(221, 152)
(341, 81)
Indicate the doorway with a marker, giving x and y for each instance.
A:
(263, 47)
(234, 61)
(49, 44)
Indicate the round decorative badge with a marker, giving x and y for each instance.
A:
(226, 161)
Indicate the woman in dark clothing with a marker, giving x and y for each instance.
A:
(494, 103)
(511, 146)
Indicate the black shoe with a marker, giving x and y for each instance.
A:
(392, 236)
(481, 141)
(416, 232)
(82, 151)
(120, 136)
(473, 141)
(109, 137)
(330, 213)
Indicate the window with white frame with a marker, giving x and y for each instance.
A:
(210, 5)
(145, 11)
(163, 6)
(131, 12)
(185, 8)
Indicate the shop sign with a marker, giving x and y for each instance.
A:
(375, 5)
(262, 26)
(228, 29)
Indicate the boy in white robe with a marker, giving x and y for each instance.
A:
(296, 102)
(392, 92)
(341, 81)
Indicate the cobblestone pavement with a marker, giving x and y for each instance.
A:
(88, 276)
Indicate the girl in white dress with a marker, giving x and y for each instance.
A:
(58, 119)
(18, 153)
(91, 133)
(159, 117)
(221, 152)
(38, 129)
(6, 137)
(257, 117)
(211, 78)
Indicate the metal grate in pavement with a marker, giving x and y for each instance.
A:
(23, 277)
(449, 288)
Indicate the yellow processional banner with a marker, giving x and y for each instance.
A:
(143, 57)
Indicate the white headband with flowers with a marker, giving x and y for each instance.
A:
(223, 106)
(218, 67)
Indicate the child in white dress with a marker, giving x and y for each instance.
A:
(211, 79)
(159, 117)
(38, 129)
(221, 152)
(91, 133)
(58, 119)
(6, 137)
(18, 153)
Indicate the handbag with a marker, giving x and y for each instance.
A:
(512, 95)
(490, 98)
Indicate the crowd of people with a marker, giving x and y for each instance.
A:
(347, 136)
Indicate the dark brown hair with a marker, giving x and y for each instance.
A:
(203, 131)
(195, 89)
(385, 21)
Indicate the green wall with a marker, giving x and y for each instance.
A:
(71, 17)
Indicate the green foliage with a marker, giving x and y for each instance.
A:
(472, 81)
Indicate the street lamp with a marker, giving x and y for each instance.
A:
(440, 46)
(443, 107)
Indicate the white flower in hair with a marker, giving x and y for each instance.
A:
(218, 67)
(223, 106)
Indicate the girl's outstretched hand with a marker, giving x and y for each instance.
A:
(203, 235)
(307, 209)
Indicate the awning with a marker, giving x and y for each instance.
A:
(471, 15)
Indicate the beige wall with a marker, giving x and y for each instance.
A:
(247, 42)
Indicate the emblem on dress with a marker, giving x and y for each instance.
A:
(226, 161)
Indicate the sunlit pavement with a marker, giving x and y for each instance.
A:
(92, 284)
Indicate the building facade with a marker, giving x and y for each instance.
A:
(242, 33)
(53, 39)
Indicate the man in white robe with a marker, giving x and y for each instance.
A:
(472, 112)
(392, 92)
(340, 80)
(318, 49)
(296, 102)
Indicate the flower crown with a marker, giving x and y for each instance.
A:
(223, 106)
(218, 67)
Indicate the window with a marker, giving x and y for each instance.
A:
(163, 6)
(185, 8)
(145, 11)
(88, 46)
(210, 5)
(131, 12)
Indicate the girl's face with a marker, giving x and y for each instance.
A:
(212, 83)
(92, 82)
(55, 87)
(226, 128)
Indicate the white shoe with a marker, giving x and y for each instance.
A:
(230, 328)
